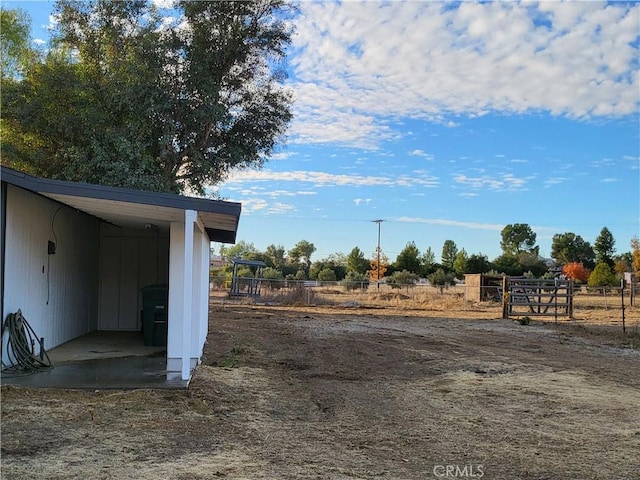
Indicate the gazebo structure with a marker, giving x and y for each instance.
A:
(246, 286)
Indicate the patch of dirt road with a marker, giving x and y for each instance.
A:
(338, 393)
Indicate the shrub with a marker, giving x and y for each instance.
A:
(402, 279)
(354, 280)
(273, 278)
(327, 275)
(602, 276)
(441, 279)
(576, 271)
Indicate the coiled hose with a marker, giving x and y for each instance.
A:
(21, 341)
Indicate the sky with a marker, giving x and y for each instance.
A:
(448, 121)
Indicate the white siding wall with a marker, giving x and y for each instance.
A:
(58, 294)
(129, 260)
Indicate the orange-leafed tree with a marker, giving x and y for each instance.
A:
(576, 271)
(378, 271)
(635, 251)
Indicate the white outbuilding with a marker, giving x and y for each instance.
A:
(78, 257)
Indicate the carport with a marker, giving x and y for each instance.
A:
(76, 257)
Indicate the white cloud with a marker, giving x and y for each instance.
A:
(421, 153)
(573, 59)
(325, 179)
(252, 205)
(554, 181)
(358, 201)
(451, 223)
(504, 182)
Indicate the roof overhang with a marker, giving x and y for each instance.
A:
(130, 208)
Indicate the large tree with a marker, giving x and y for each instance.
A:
(449, 252)
(356, 261)
(571, 248)
(517, 238)
(126, 99)
(604, 247)
(15, 49)
(408, 259)
(460, 263)
(276, 255)
(478, 263)
(301, 252)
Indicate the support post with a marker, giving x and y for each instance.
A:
(189, 224)
(505, 297)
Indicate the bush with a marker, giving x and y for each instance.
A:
(404, 278)
(326, 275)
(576, 271)
(602, 276)
(441, 279)
(272, 278)
(354, 280)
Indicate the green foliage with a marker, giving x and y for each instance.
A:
(524, 321)
(326, 275)
(409, 259)
(15, 51)
(449, 252)
(507, 265)
(402, 278)
(571, 248)
(428, 257)
(517, 238)
(356, 261)
(242, 249)
(478, 263)
(604, 247)
(333, 263)
(276, 255)
(149, 105)
(301, 252)
(460, 263)
(441, 279)
(273, 278)
(355, 280)
(602, 276)
(518, 265)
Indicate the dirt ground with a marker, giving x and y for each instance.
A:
(342, 392)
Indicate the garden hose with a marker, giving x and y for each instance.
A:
(21, 341)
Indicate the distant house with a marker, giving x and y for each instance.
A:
(76, 257)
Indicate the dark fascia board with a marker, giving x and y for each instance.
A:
(222, 236)
(60, 187)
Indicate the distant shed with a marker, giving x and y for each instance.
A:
(480, 287)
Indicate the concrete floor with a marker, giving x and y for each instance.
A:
(100, 361)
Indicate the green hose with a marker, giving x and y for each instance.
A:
(21, 341)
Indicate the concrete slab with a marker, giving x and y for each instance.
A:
(102, 361)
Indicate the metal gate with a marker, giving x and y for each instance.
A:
(538, 297)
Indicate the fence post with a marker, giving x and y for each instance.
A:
(505, 297)
(570, 306)
(624, 327)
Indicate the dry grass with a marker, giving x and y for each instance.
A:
(385, 389)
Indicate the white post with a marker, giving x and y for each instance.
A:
(189, 224)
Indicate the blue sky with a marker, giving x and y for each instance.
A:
(449, 121)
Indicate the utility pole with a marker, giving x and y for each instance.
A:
(378, 250)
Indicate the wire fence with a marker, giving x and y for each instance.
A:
(610, 307)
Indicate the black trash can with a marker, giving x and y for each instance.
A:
(155, 310)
